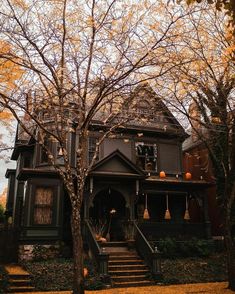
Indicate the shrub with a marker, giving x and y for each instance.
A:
(171, 248)
(3, 281)
(2, 216)
(57, 274)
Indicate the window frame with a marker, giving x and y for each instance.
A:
(154, 157)
(52, 206)
(91, 152)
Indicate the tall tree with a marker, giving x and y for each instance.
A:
(208, 81)
(9, 75)
(81, 61)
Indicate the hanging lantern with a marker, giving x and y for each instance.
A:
(146, 213)
(162, 174)
(188, 176)
(167, 212)
(186, 214)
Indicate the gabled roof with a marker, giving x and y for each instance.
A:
(153, 114)
(118, 165)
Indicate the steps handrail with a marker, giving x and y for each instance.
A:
(101, 258)
(143, 238)
(151, 257)
(92, 239)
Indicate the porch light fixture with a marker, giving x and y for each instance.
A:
(167, 212)
(146, 213)
(140, 134)
(186, 214)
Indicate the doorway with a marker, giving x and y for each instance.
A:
(108, 214)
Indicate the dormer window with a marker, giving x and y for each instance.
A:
(146, 156)
(92, 141)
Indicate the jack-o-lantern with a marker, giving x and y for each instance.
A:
(188, 176)
(162, 174)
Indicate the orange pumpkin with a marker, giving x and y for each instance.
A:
(162, 174)
(85, 272)
(188, 176)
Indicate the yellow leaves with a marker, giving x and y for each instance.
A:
(230, 49)
(9, 71)
(90, 21)
(5, 115)
(21, 4)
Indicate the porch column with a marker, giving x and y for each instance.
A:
(207, 222)
(132, 206)
(17, 210)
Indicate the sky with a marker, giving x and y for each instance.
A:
(5, 162)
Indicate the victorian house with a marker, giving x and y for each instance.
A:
(137, 190)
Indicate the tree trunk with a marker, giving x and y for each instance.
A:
(229, 243)
(78, 279)
(231, 265)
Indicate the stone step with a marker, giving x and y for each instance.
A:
(123, 253)
(126, 262)
(114, 244)
(126, 267)
(129, 272)
(20, 282)
(133, 284)
(123, 257)
(138, 278)
(19, 277)
(20, 289)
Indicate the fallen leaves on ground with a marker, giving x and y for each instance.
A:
(200, 288)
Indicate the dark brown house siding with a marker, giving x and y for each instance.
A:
(196, 161)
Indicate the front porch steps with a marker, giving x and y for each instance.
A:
(19, 279)
(126, 268)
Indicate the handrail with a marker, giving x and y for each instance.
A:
(101, 258)
(151, 257)
(150, 249)
(92, 239)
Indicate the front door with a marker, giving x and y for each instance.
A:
(108, 214)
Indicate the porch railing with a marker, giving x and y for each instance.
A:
(151, 256)
(101, 257)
